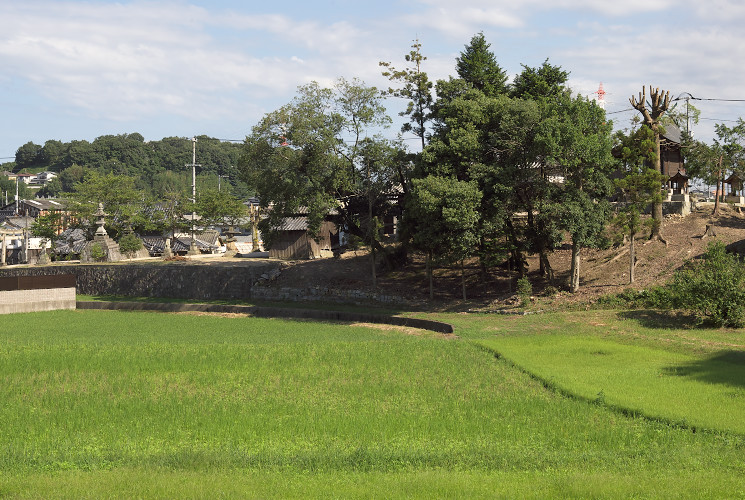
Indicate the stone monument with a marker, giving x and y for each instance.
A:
(102, 248)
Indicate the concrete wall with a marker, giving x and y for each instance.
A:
(49, 299)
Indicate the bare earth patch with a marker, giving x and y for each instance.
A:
(407, 330)
(216, 314)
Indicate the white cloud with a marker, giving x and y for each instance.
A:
(141, 59)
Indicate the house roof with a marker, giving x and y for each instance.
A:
(294, 224)
(155, 245)
(672, 133)
(18, 222)
(735, 177)
(45, 204)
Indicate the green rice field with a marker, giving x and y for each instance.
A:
(599, 404)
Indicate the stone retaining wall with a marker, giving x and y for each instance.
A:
(199, 282)
(158, 280)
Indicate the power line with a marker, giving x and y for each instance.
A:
(679, 98)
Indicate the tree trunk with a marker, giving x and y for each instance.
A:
(632, 257)
(548, 271)
(372, 267)
(463, 278)
(657, 205)
(657, 216)
(574, 273)
(429, 276)
(719, 184)
(517, 257)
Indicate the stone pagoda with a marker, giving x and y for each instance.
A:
(102, 248)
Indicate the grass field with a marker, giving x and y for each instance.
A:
(98, 404)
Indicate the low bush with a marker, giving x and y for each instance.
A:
(656, 297)
(97, 252)
(130, 244)
(524, 290)
(713, 288)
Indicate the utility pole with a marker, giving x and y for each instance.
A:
(193, 250)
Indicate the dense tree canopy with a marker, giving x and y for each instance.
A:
(314, 156)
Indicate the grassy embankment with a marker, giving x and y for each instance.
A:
(98, 404)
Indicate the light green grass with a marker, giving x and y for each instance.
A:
(701, 391)
(118, 404)
(139, 483)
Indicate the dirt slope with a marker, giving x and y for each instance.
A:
(603, 272)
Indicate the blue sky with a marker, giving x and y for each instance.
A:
(80, 69)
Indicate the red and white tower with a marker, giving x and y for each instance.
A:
(600, 99)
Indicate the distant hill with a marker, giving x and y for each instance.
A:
(153, 163)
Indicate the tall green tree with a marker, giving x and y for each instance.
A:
(312, 153)
(478, 66)
(416, 87)
(441, 219)
(711, 162)
(122, 201)
(640, 186)
(219, 208)
(27, 156)
(47, 227)
(577, 141)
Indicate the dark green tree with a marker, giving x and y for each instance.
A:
(71, 176)
(542, 82)
(52, 189)
(28, 156)
(478, 66)
(52, 155)
(441, 220)
(577, 142)
(640, 186)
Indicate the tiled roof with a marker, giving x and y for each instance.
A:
(155, 245)
(294, 224)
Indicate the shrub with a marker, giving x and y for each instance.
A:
(97, 253)
(550, 291)
(130, 244)
(524, 289)
(712, 288)
(656, 297)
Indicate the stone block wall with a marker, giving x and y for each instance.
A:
(199, 282)
(173, 281)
